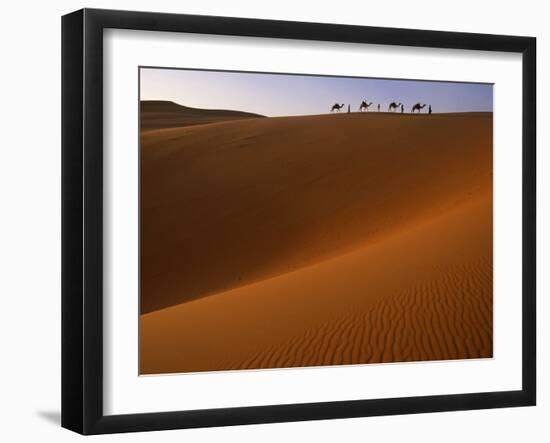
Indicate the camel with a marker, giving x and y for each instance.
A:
(393, 106)
(365, 106)
(337, 107)
(417, 107)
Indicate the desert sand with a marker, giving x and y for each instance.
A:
(316, 240)
(156, 114)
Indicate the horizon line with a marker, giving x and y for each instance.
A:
(321, 113)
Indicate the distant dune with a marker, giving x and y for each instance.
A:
(166, 114)
(303, 241)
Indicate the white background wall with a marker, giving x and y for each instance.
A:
(30, 219)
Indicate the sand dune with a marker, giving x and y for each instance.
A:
(157, 114)
(226, 205)
(422, 293)
(320, 240)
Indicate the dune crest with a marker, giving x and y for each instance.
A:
(225, 205)
(157, 114)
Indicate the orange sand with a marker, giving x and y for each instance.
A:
(304, 241)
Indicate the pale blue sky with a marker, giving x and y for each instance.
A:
(284, 94)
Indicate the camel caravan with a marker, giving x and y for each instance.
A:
(393, 107)
(364, 106)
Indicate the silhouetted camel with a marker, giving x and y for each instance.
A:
(393, 106)
(365, 106)
(337, 107)
(417, 107)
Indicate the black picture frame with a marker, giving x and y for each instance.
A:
(82, 220)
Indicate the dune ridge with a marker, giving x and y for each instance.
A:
(242, 201)
(423, 293)
(157, 114)
(319, 240)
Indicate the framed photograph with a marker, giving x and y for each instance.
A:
(269, 221)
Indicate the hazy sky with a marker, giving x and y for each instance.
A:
(282, 94)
